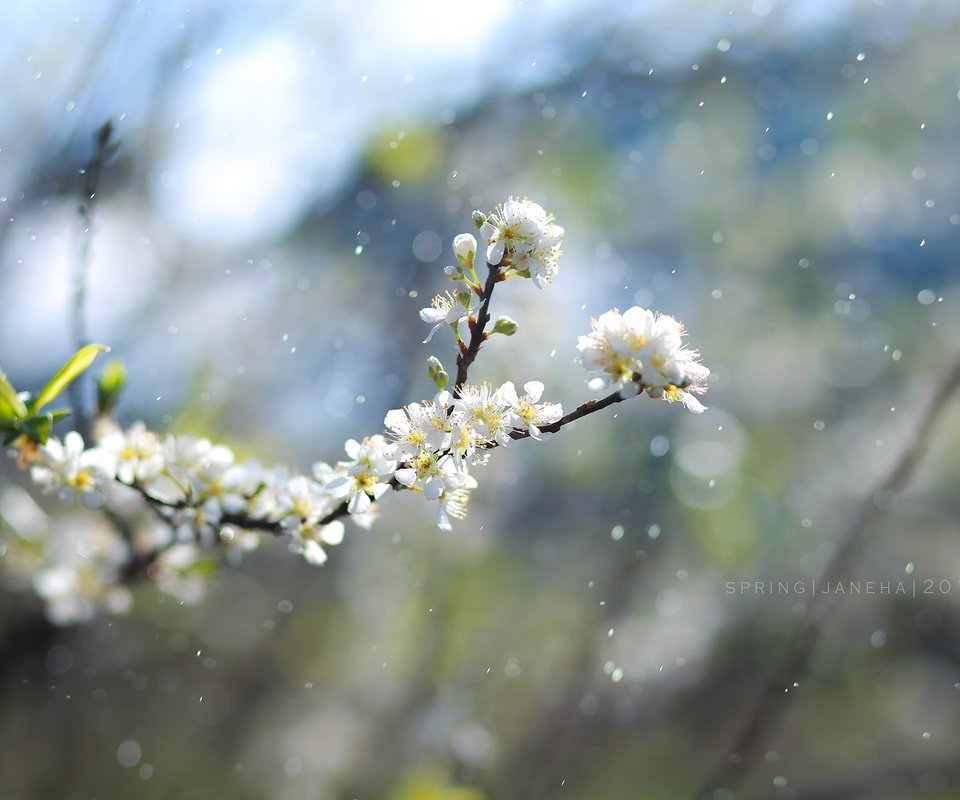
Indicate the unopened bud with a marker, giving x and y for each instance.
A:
(437, 373)
(478, 218)
(505, 325)
(465, 248)
(110, 384)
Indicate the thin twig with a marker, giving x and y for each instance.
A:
(139, 562)
(774, 699)
(590, 407)
(81, 267)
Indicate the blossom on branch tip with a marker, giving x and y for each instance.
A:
(640, 349)
(521, 232)
(465, 249)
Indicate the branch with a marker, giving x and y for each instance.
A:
(585, 410)
(81, 266)
(140, 562)
(885, 778)
(477, 328)
(773, 700)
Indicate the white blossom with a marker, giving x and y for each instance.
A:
(642, 349)
(301, 500)
(445, 309)
(80, 571)
(308, 540)
(432, 474)
(454, 503)
(72, 471)
(366, 475)
(524, 232)
(513, 226)
(137, 451)
(530, 414)
(419, 426)
(465, 249)
(488, 411)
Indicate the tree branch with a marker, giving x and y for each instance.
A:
(81, 267)
(477, 328)
(773, 700)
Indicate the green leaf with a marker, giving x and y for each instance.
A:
(38, 427)
(11, 406)
(77, 363)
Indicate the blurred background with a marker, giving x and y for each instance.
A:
(782, 176)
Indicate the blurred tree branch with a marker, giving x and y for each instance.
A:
(774, 699)
(104, 147)
(892, 779)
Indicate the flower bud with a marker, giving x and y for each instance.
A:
(110, 384)
(478, 218)
(437, 373)
(505, 325)
(465, 248)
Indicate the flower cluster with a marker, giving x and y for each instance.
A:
(200, 495)
(202, 491)
(436, 441)
(521, 235)
(641, 349)
(80, 574)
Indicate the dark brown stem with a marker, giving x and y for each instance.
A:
(773, 700)
(477, 329)
(139, 562)
(585, 410)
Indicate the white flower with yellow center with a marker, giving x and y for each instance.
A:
(466, 445)
(514, 227)
(488, 411)
(454, 503)
(530, 414)
(540, 262)
(696, 377)
(309, 539)
(417, 427)
(642, 349)
(608, 352)
(367, 474)
(138, 453)
(446, 309)
(70, 470)
(301, 500)
(432, 474)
